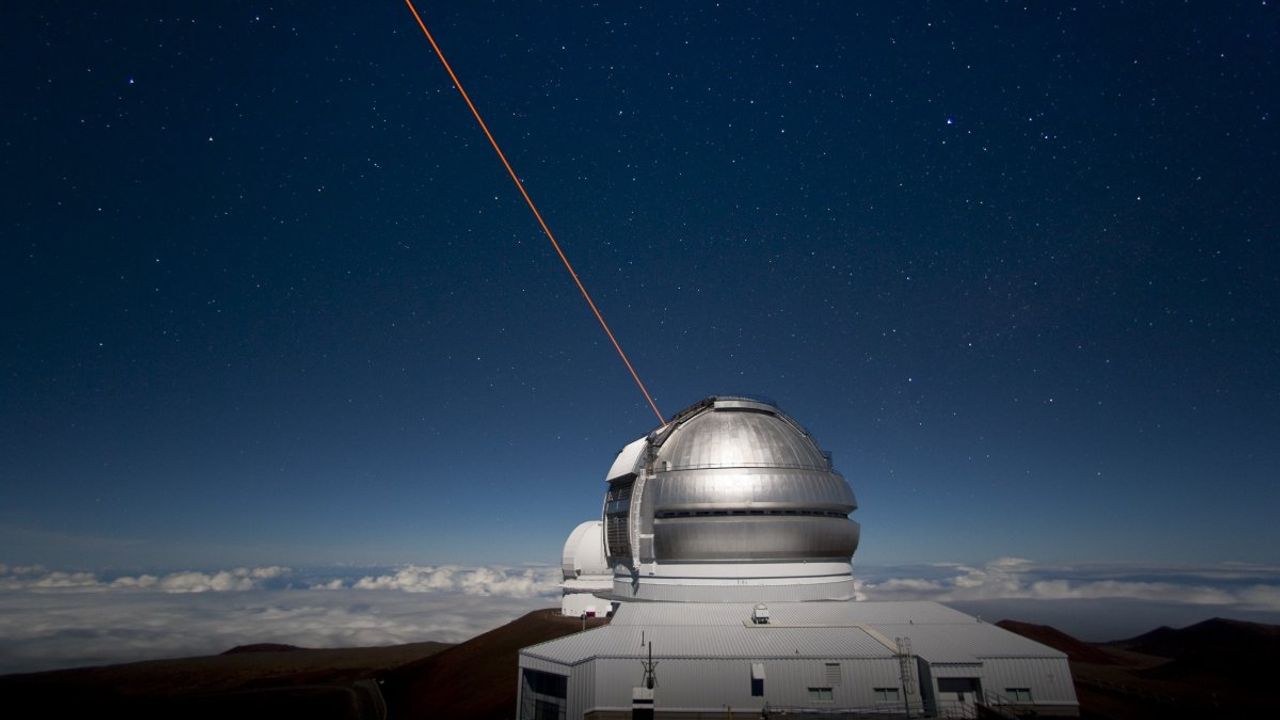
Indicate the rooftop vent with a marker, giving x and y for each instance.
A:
(760, 614)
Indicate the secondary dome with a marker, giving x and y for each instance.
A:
(586, 573)
(731, 492)
(584, 552)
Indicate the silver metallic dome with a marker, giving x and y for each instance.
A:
(740, 434)
(731, 487)
(584, 552)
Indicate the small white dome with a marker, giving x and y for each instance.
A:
(584, 551)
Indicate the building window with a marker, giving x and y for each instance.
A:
(543, 695)
(821, 695)
(757, 679)
(544, 683)
(547, 710)
(833, 674)
(1018, 695)
(886, 694)
(960, 686)
(617, 509)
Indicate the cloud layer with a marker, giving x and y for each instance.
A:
(469, 581)
(36, 578)
(484, 581)
(1252, 588)
(55, 618)
(52, 619)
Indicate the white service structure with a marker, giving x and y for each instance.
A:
(725, 554)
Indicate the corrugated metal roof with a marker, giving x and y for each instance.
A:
(825, 613)
(723, 641)
(968, 642)
(795, 630)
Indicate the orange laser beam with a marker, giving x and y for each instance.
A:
(536, 214)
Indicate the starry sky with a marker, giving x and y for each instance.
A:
(269, 297)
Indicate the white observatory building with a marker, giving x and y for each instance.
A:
(724, 552)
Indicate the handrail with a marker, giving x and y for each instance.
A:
(762, 464)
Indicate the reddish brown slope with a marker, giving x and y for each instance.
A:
(1076, 650)
(1214, 669)
(1240, 653)
(249, 682)
(476, 679)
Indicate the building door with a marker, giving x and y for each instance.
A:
(959, 695)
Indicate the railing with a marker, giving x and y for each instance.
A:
(990, 703)
(768, 464)
(886, 711)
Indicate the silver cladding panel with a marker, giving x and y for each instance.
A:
(752, 487)
(737, 438)
(754, 538)
(735, 480)
(838, 588)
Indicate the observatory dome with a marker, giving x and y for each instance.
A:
(587, 575)
(584, 552)
(746, 438)
(730, 500)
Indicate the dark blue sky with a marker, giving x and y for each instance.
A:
(269, 296)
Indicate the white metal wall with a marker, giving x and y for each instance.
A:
(708, 684)
(582, 690)
(1048, 678)
(692, 684)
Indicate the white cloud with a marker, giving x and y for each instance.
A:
(70, 629)
(1261, 597)
(1018, 578)
(21, 570)
(141, 581)
(51, 619)
(908, 585)
(66, 580)
(54, 618)
(484, 581)
(226, 580)
(527, 583)
(35, 577)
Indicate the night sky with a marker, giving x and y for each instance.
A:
(269, 296)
